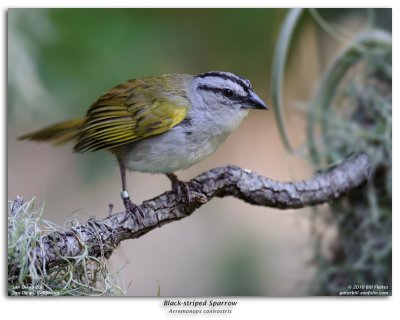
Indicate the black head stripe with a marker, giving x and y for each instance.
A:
(244, 83)
(234, 97)
(247, 82)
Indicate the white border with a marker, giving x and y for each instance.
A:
(251, 308)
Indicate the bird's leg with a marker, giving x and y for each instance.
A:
(180, 188)
(130, 207)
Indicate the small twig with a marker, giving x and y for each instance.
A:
(101, 237)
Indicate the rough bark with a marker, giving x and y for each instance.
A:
(101, 237)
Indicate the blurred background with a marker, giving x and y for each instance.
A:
(61, 60)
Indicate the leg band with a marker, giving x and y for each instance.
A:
(124, 194)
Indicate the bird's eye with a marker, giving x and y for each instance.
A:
(227, 93)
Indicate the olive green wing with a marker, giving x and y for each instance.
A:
(127, 114)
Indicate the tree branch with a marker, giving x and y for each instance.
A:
(101, 237)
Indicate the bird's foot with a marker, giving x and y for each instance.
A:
(182, 191)
(132, 208)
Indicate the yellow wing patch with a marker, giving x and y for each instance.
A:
(127, 114)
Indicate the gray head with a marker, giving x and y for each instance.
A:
(218, 88)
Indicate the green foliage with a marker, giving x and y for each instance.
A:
(278, 70)
(351, 112)
(361, 120)
(78, 276)
(371, 51)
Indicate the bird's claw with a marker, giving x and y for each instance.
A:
(182, 192)
(134, 209)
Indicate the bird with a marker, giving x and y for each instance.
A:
(159, 124)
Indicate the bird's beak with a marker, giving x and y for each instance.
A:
(253, 101)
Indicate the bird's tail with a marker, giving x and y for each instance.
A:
(58, 133)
